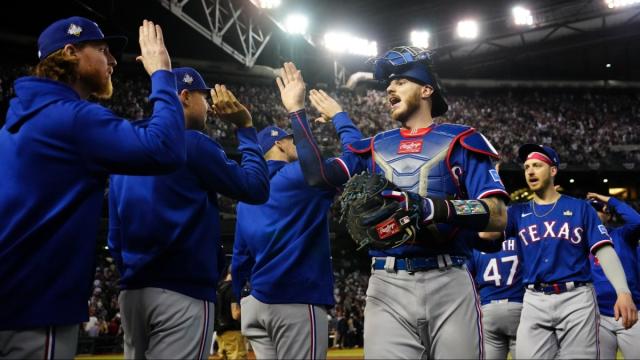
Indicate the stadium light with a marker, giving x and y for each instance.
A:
(571, 181)
(468, 29)
(296, 24)
(340, 42)
(620, 3)
(522, 16)
(605, 180)
(608, 65)
(266, 4)
(420, 38)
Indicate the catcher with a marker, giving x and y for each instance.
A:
(427, 191)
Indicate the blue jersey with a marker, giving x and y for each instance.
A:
(443, 161)
(164, 231)
(498, 275)
(554, 241)
(625, 240)
(57, 152)
(282, 247)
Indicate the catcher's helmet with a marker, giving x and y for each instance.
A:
(413, 63)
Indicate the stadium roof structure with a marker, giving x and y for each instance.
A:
(568, 39)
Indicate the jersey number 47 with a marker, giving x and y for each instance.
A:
(491, 273)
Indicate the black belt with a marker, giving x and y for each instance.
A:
(392, 264)
(556, 288)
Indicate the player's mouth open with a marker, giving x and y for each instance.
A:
(533, 180)
(394, 101)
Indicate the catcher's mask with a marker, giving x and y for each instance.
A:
(412, 63)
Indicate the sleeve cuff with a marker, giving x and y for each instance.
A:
(247, 134)
(162, 79)
(595, 247)
(494, 192)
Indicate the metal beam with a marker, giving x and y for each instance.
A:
(245, 44)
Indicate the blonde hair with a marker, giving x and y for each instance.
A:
(58, 66)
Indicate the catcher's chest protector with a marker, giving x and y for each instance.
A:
(418, 163)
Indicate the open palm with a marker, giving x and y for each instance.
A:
(292, 88)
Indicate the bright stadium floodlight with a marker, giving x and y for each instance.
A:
(296, 24)
(420, 38)
(620, 3)
(267, 4)
(340, 42)
(522, 16)
(468, 29)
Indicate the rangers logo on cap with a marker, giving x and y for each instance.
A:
(74, 30)
(274, 133)
(187, 79)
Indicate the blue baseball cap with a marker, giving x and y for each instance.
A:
(188, 78)
(548, 152)
(411, 63)
(75, 30)
(268, 136)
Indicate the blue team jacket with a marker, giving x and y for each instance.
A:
(164, 231)
(57, 151)
(282, 247)
(625, 242)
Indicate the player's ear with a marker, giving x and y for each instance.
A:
(184, 96)
(70, 50)
(426, 91)
(554, 171)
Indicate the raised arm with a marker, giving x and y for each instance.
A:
(248, 181)
(630, 230)
(110, 144)
(329, 173)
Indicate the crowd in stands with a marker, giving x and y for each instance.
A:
(581, 125)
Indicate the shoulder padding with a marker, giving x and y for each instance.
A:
(452, 130)
(476, 142)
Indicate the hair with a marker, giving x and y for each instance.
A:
(58, 66)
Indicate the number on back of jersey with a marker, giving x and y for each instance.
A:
(492, 273)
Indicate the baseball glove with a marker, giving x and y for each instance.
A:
(374, 215)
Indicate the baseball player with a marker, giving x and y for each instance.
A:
(421, 300)
(555, 234)
(499, 281)
(164, 231)
(625, 240)
(57, 151)
(282, 247)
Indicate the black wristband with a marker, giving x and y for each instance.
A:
(469, 214)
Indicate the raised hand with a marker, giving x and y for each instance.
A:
(228, 108)
(325, 104)
(153, 53)
(291, 87)
(601, 198)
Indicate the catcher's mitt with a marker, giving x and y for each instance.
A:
(373, 219)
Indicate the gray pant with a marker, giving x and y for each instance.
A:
(559, 325)
(53, 342)
(159, 323)
(614, 336)
(430, 314)
(500, 325)
(285, 331)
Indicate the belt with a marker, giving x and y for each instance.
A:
(501, 301)
(556, 288)
(393, 264)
